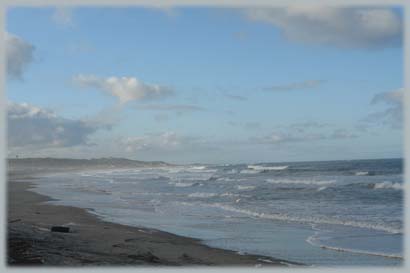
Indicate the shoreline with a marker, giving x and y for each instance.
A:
(93, 241)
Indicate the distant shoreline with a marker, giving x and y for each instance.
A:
(119, 161)
(93, 241)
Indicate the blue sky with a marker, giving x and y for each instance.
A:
(211, 85)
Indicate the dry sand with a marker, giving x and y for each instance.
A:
(92, 241)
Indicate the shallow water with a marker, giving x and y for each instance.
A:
(320, 213)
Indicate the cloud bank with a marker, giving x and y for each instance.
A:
(166, 141)
(125, 89)
(19, 54)
(392, 115)
(178, 108)
(335, 26)
(286, 137)
(31, 126)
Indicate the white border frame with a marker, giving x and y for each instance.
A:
(4, 4)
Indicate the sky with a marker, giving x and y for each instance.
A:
(205, 84)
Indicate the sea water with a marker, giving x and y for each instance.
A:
(317, 213)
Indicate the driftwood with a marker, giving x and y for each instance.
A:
(60, 229)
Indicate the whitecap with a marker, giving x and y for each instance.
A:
(267, 168)
(244, 187)
(387, 185)
(361, 173)
(181, 184)
(229, 194)
(312, 240)
(202, 194)
(226, 179)
(249, 171)
(309, 220)
(198, 167)
(304, 182)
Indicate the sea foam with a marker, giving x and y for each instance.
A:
(267, 168)
(202, 194)
(387, 185)
(243, 187)
(309, 220)
(312, 240)
(182, 184)
(304, 182)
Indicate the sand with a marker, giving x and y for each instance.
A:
(92, 241)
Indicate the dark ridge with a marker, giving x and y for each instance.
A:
(93, 161)
(19, 166)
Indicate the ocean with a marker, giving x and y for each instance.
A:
(333, 213)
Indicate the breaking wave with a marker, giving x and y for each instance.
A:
(242, 187)
(183, 184)
(267, 168)
(386, 185)
(202, 194)
(309, 220)
(198, 167)
(249, 171)
(304, 182)
(311, 240)
(211, 194)
(227, 179)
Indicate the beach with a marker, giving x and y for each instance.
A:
(92, 241)
(336, 213)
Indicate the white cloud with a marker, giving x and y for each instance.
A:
(392, 115)
(292, 136)
(394, 97)
(125, 89)
(166, 141)
(295, 86)
(179, 108)
(337, 26)
(63, 16)
(19, 54)
(31, 126)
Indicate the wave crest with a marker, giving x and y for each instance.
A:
(202, 194)
(309, 220)
(312, 240)
(183, 184)
(303, 182)
(244, 187)
(386, 185)
(267, 168)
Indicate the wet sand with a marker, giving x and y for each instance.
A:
(92, 241)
